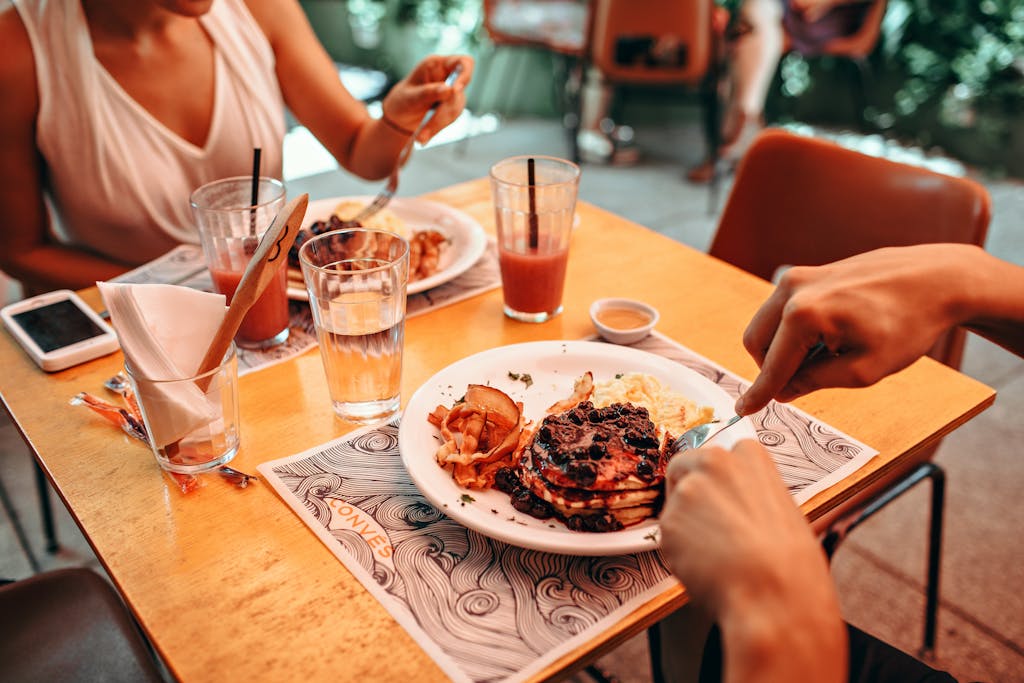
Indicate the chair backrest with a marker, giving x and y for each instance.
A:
(652, 41)
(70, 625)
(803, 201)
(557, 25)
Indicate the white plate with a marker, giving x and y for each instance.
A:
(467, 240)
(553, 365)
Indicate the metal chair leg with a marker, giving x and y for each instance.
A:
(839, 531)
(713, 112)
(572, 104)
(931, 609)
(654, 646)
(19, 532)
(49, 529)
(713, 134)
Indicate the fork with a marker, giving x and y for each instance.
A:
(385, 195)
(701, 434)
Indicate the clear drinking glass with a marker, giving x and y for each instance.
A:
(534, 205)
(230, 225)
(192, 421)
(356, 281)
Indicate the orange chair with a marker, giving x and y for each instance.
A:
(662, 43)
(623, 39)
(803, 201)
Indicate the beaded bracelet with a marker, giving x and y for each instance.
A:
(394, 126)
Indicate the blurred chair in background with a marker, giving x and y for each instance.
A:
(603, 46)
(804, 201)
(45, 512)
(19, 531)
(665, 43)
(654, 43)
(70, 625)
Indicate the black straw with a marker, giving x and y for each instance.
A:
(531, 180)
(256, 153)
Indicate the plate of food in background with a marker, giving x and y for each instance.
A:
(588, 478)
(444, 242)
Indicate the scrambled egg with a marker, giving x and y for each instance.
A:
(669, 410)
(384, 219)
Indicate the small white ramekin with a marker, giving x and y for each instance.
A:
(623, 336)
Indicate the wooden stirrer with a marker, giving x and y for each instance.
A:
(271, 255)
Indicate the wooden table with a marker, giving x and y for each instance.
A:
(230, 585)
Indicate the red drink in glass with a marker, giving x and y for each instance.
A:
(533, 283)
(266, 323)
(534, 205)
(232, 214)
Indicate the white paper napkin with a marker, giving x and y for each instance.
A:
(164, 331)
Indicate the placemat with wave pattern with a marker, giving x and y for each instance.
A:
(485, 610)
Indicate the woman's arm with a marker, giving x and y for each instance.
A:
(313, 91)
(26, 253)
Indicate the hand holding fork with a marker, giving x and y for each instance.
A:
(385, 195)
(700, 435)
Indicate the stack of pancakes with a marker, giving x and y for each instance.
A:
(601, 469)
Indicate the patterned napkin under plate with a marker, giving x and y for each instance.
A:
(483, 609)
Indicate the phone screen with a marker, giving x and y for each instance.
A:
(57, 325)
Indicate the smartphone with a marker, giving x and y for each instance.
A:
(58, 329)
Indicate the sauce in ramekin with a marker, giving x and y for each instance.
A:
(618, 318)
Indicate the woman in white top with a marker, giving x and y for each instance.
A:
(115, 111)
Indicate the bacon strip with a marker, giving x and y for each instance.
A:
(481, 435)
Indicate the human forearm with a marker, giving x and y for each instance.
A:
(314, 93)
(50, 267)
(993, 300)
(422, 103)
(796, 636)
(375, 149)
(877, 313)
(732, 534)
(436, 85)
(309, 81)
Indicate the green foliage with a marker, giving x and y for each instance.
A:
(395, 34)
(431, 17)
(947, 72)
(957, 55)
(436, 12)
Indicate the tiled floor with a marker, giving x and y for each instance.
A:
(880, 569)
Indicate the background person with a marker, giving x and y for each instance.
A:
(762, 29)
(600, 139)
(115, 111)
